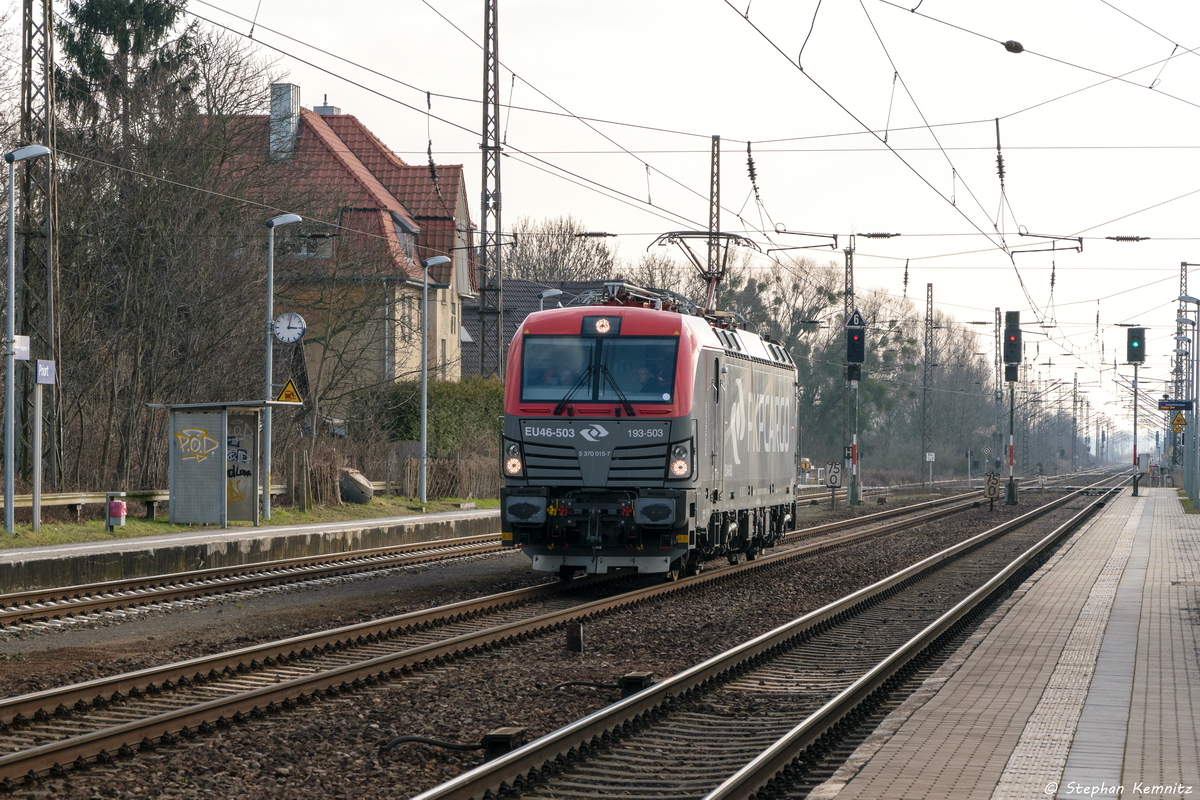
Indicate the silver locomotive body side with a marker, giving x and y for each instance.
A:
(748, 489)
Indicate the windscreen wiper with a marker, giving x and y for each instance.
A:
(613, 382)
(558, 409)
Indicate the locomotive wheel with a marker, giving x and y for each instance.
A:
(751, 553)
(733, 558)
(567, 573)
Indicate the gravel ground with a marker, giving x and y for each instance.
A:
(331, 749)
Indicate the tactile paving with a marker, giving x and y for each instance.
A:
(1085, 683)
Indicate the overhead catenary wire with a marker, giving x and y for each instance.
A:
(853, 116)
(887, 148)
(579, 179)
(1107, 77)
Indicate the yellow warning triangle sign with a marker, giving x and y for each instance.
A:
(289, 394)
(1179, 420)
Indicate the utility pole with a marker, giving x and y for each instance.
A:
(847, 310)
(37, 268)
(1180, 371)
(997, 434)
(1074, 422)
(926, 424)
(491, 292)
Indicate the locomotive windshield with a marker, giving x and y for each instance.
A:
(641, 368)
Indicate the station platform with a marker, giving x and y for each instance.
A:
(1085, 683)
(29, 568)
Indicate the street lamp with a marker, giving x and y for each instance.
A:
(272, 224)
(425, 265)
(10, 334)
(543, 296)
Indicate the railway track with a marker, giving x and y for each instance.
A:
(48, 732)
(24, 610)
(757, 718)
(59, 609)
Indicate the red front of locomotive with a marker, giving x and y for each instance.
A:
(599, 445)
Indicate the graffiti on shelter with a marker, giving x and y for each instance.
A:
(195, 444)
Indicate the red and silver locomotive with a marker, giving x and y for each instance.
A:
(641, 433)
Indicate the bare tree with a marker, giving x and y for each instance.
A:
(156, 294)
(557, 250)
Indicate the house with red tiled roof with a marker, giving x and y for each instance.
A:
(352, 268)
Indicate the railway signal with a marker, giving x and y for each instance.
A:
(1012, 337)
(856, 349)
(856, 339)
(1135, 345)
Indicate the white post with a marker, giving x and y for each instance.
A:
(10, 333)
(37, 457)
(9, 354)
(425, 265)
(424, 381)
(282, 219)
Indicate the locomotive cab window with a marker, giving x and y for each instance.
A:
(598, 370)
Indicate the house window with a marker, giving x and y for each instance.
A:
(442, 363)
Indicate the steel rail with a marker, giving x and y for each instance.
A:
(42, 604)
(38, 604)
(45, 704)
(780, 756)
(528, 763)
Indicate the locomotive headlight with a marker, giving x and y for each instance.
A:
(514, 464)
(681, 461)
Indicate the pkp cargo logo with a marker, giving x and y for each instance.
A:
(593, 432)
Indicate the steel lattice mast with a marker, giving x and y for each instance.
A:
(491, 290)
(37, 268)
(715, 266)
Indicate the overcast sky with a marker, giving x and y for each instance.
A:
(891, 126)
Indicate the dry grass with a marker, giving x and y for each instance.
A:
(61, 531)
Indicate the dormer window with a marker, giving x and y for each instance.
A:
(407, 235)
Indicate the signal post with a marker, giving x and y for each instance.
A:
(856, 348)
(1135, 354)
(1012, 361)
